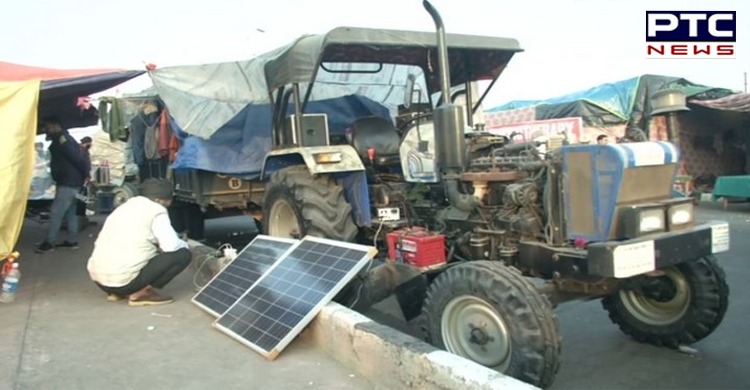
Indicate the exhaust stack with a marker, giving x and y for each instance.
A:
(450, 146)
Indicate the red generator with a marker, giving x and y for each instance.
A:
(416, 246)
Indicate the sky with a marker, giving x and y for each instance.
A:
(569, 45)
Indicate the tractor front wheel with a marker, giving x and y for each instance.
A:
(491, 314)
(684, 304)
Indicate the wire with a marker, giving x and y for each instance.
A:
(377, 233)
(369, 265)
(206, 258)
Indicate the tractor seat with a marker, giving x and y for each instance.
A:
(379, 134)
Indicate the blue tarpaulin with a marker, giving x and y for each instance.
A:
(616, 98)
(239, 146)
(626, 101)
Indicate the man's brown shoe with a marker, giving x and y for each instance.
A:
(151, 298)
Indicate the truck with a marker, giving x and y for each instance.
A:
(480, 237)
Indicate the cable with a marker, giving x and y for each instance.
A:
(221, 253)
(377, 233)
(206, 258)
(369, 265)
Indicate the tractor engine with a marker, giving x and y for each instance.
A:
(505, 184)
(520, 211)
(508, 183)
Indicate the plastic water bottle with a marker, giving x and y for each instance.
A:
(10, 284)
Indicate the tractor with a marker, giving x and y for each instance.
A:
(481, 236)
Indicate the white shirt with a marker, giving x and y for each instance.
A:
(165, 235)
(132, 235)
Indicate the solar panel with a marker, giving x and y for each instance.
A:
(227, 286)
(292, 292)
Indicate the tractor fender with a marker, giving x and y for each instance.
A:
(341, 158)
(348, 169)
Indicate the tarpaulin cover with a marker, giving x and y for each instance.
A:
(737, 102)
(18, 110)
(202, 98)
(62, 88)
(239, 146)
(626, 101)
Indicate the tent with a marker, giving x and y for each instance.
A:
(713, 134)
(26, 93)
(611, 103)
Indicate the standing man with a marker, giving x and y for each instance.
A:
(137, 250)
(68, 166)
(143, 128)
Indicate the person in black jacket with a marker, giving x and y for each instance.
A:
(69, 168)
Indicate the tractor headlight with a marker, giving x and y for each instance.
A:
(651, 220)
(680, 215)
(635, 221)
(328, 157)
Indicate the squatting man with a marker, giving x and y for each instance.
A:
(137, 250)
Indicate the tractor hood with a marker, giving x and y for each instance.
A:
(601, 180)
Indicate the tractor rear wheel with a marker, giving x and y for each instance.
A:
(682, 306)
(297, 204)
(491, 314)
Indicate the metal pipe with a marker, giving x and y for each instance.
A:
(449, 132)
(297, 110)
(442, 48)
(488, 231)
(516, 147)
(469, 104)
(463, 202)
(673, 135)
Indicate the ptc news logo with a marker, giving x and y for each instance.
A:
(691, 34)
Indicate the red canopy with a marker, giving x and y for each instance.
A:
(18, 72)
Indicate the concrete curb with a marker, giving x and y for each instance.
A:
(383, 355)
(396, 360)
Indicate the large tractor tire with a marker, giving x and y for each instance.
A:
(684, 305)
(489, 313)
(298, 204)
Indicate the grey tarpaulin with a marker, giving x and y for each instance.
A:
(202, 98)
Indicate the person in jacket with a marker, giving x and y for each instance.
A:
(141, 130)
(137, 250)
(69, 169)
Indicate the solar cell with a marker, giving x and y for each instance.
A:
(224, 289)
(292, 292)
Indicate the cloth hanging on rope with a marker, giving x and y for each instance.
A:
(151, 141)
(164, 133)
(113, 120)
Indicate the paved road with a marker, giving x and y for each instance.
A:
(596, 355)
(60, 333)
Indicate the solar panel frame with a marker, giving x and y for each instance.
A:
(368, 253)
(230, 266)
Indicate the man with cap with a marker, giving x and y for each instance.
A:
(69, 168)
(137, 250)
